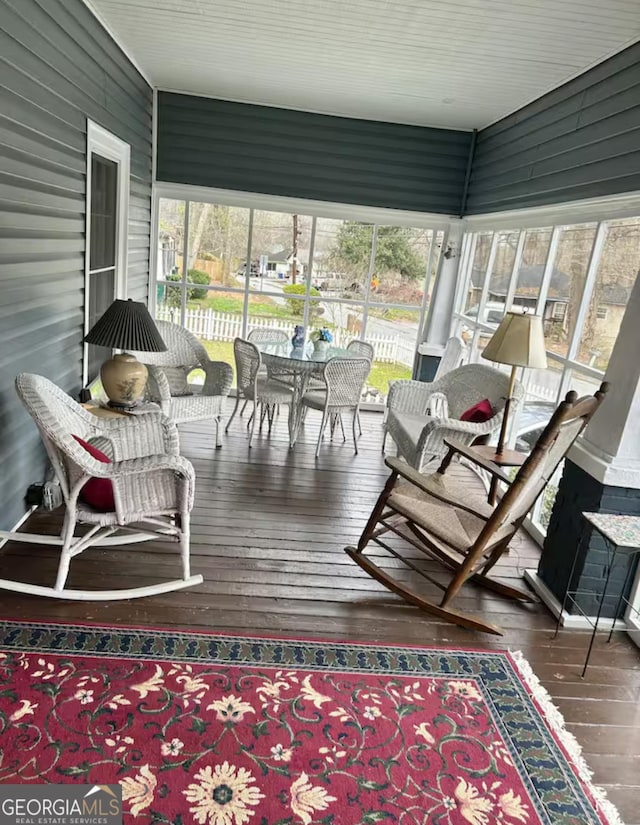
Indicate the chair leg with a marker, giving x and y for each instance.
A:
(384, 439)
(344, 437)
(233, 414)
(244, 407)
(353, 428)
(271, 412)
(254, 415)
(68, 529)
(185, 534)
(376, 512)
(263, 411)
(359, 424)
(218, 434)
(323, 425)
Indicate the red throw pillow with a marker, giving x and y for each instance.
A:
(479, 413)
(97, 492)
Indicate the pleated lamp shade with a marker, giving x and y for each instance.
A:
(518, 341)
(127, 325)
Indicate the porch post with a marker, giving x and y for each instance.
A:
(601, 474)
(437, 328)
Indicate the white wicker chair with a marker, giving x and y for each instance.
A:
(344, 379)
(268, 335)
(153, 486)
(419, 435)
(185, 353)
(361, 349)
(265, 393)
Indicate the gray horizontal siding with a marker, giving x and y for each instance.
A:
(238, 146)
(57, 67)
(580, 141)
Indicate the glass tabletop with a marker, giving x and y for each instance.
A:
(306, 353)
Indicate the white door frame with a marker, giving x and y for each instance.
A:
(105, 144)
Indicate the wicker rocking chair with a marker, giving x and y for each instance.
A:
(467, 536)
(153, 486)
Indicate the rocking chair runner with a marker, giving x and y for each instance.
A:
(153, 486)
(437, 516)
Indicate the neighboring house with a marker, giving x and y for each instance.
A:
(280, 264)
(611, 301)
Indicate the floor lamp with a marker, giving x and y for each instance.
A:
(519, 342)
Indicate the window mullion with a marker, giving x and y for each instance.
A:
(185, 265)
(307, 293)
(592, 272)
(487, 277)
(548, 270)
(513, 280)
(247, 275)
(371, 270)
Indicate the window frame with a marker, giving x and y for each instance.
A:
(106, 145)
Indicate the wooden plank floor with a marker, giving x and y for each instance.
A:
(269, 526)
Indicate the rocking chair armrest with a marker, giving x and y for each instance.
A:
(218, 377)
(469, 453)
(425, 483)
(149, 433)
(148, 464)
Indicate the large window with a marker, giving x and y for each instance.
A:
(579, 279)
(223, 270)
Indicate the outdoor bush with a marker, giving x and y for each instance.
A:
(295, 305)
(195, 276)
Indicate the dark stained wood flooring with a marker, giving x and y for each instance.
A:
(269, 526)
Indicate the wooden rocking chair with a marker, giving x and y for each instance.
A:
(153, 487)
(441, 519)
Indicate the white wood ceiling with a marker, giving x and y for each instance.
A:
(454, 63)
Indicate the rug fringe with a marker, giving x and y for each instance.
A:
(567, 739)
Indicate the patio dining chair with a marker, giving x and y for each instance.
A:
(168, 383)
(121, 479)
(442, 518)
(268, 335)
(265, 393)
(344, 379)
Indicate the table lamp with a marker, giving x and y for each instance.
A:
(519, 342)
(126, 325)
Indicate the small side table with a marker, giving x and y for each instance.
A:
(621, 534)
(507, 458)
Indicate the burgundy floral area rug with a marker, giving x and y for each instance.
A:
(221, 730)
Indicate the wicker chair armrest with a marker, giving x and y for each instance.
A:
(468, 452)
(429, 484)
(155, 483)
(218, 377)
(158, 389)
(136, 436)
(409, 396)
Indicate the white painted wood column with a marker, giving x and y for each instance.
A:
(438, 326)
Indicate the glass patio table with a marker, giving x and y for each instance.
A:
(297, 366)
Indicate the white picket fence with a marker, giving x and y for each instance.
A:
(210, 325)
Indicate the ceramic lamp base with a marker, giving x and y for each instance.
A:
(123, 380)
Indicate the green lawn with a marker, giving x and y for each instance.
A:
(258, 305)
(379, 376)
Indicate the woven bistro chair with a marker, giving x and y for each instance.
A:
(265, 393)
(441, 518)
(152, 486)
(421, 415)
(168, 384)
(268, 335)
(344, 379)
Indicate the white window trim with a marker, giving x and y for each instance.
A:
(105, 144)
